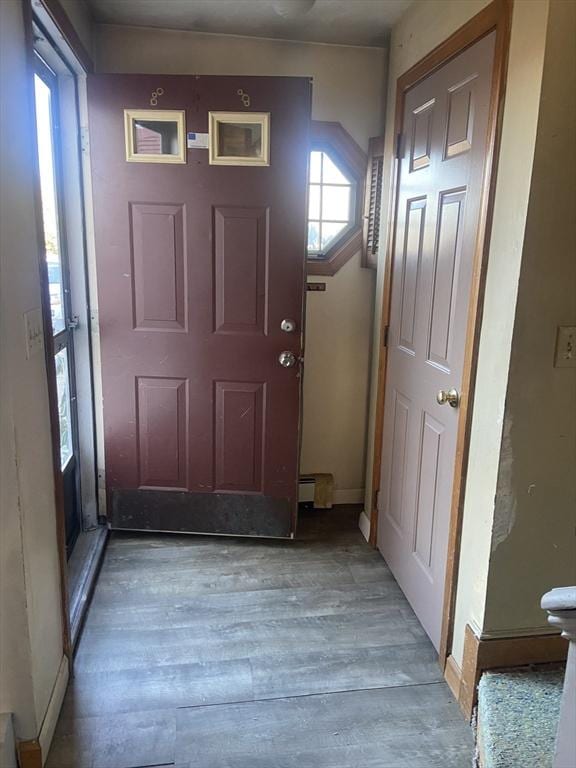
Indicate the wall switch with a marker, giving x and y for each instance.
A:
(565, 347)
(34, 332)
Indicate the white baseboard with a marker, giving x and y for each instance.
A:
(349, 496)
(364, 525)
(54, 707)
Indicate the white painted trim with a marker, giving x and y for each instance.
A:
(349, 496)
(364, 525)
(92, 291)
(53, 710)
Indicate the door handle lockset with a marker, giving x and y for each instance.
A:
(287, 359)
(451, 397)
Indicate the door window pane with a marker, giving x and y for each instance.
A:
(64, 410)
(46, 162)
(156, 137)
(242, 140)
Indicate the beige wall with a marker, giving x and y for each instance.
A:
(31, 634)
(508, 230)
(349, 88)
(533, 545)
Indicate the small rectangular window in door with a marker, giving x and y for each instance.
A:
(154, 136)
(239, 138)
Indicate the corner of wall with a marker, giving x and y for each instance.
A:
(488, 440)
(535, 504)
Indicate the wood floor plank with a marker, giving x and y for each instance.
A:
(110, 650)
(158, 686)
(304, 672)
(255, 605)
(408, 727)
(138, 589)
(130, 740)
(207, 652)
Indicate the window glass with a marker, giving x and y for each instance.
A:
(330, 203)
(316, 167)
(331, 174)
(63, 389)
(46, 162)
(336, 203)
(239, 139)
(156, 137)
(314, 201)
(330, 231)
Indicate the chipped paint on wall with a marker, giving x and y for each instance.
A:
(505, 502)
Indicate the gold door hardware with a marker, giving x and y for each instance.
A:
(451, 397)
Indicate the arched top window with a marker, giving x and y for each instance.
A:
(337, 167)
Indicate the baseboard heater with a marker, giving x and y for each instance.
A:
(317, 489)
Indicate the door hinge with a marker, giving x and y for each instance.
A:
(385, 335)
(84, 141)
(376, 497)
(399, 148)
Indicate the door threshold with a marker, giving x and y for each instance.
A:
(83, 567)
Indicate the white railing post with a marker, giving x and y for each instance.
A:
(561, 606)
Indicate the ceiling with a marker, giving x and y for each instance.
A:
(352, 22)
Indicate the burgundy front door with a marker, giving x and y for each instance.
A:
(197, 266)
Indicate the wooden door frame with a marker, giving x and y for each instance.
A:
(494, 17)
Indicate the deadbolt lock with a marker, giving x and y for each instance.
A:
(287, 325)
(451, 397)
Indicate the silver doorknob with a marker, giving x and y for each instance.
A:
(451, 397)
(287, 325)
(287, 359)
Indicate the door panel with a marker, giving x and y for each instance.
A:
(439, 193)
(198, 265)
(241, 270)
(162, 424)
(239, 435)
(158, 285)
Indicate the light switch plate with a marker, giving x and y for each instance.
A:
(34, 332)
(565, 347)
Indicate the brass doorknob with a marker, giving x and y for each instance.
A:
(451, 397)
(287, 359)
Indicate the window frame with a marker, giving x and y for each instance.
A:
(177, 116)
(336, 142)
